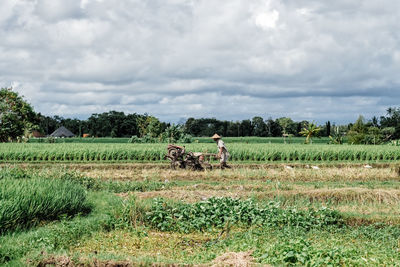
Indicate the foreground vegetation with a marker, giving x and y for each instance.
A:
(344, 215)
(155, 152)
(28, 202)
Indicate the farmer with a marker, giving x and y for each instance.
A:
(223, 154)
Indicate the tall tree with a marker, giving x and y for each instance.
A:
(273, 128)
(192, 127)
(358, 131)
(16, 115)
(246, 128)
(328, 128)
(375, 122)
(392, 120)
(47, 124)
(259, 126)
(233, 129)
(288, 126)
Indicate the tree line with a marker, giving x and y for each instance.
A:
(257, 126)
(119, 124)
(107, 124)
(17, 119)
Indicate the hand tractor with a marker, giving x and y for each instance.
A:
(182, 159)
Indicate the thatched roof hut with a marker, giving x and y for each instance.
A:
(62, 132)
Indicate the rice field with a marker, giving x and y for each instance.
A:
(121, 205)
(239, 152)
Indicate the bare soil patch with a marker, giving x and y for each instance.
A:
(59, 261)
(234, 259)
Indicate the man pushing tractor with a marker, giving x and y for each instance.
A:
(196, 160)
(223, 153)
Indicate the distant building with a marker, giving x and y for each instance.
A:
(62, 132)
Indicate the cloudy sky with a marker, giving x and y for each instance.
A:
(229, 59)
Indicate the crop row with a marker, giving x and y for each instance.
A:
(156, 152)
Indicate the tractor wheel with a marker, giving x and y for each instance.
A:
(173, 153)
(175, 164)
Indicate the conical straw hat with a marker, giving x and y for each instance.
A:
(216, 136)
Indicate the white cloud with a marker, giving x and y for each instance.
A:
(307, 59)
(267, 20)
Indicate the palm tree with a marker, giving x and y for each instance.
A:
(310, 131)
(337, 136)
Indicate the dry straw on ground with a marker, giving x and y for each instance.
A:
(334, 195)
(272, 174)
(234, 259)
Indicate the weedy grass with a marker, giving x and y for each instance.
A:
(335, 247)
(143, 243)
(29, 202)
(289, 246)
(108, 213)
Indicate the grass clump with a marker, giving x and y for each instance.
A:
(28, 202)
(107, 214)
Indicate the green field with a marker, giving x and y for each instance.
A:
(133, 214)
(121, 205)
(239, 152)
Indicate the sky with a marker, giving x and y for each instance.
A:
(229, 59)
